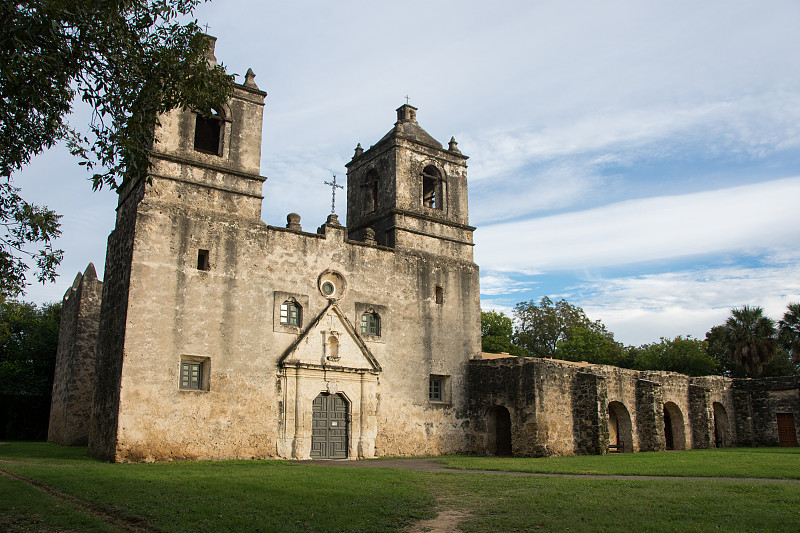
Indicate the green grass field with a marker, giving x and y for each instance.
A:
(777, 463)
(287, 496)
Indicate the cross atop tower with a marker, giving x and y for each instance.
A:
(333, 185)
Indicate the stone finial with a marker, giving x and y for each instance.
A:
(369, 236)
(453, 145)
(359, 151)
(293, 222)
(249, 79)
(333, 220)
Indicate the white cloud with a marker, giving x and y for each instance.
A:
(643, 308)
(496, 283)
(751, 218)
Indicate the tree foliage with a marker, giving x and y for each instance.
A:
(789, 331)
(28, 344)
(750, 339)
(129, 60)
(543, 325)
(682, 354)
(592, 346)
(496, 333)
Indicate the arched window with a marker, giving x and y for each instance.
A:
(431, 187)
(291, 313)
(371, 323)
(208, 133)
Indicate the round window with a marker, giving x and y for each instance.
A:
(332, 285)
(328, 289)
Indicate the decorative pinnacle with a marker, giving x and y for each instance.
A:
(249, 79)
(453, 146)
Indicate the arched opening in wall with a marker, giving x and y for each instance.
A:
(674, 433)
(329, 427)
(332, 348)
(208, 133)
(721, 427)
(498, 431)
(620, 431)
(431, 187)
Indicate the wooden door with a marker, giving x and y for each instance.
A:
(787, 435)
(329, 427)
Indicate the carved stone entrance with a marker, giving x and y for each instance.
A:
(329, 430)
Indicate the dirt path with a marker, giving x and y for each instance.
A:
(445, 522)
(132, 524)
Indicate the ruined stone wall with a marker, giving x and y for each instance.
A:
(589, 415)
(721, 409)
(73, 381)
(584, 409)
(511, 383)
(758, 401)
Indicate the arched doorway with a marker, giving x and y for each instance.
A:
(674, 434)
(721, 438)
(329, 427)
(620, 432)
(498, 429)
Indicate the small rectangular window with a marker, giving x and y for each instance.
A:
(439, 295)
(194, 373)
(191, 375)
(202, 260)
(290, 313)
(435, 390)
(439, 389)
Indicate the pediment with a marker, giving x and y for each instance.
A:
(330, 341)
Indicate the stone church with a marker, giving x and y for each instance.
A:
(216, 336)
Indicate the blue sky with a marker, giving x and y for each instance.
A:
(640, 159)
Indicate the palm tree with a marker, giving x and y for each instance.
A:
(789, 331)
(750, 338)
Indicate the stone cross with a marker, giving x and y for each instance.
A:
(407, 99)
(333, 185)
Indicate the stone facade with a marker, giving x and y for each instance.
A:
(221, 337)
(73, 381)
(577, 408)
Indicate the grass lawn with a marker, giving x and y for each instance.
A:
(286, 496)
(777, 463)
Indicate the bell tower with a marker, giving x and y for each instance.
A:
(410, 191)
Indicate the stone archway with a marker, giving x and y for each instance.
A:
(674, 432)
(498, 431)
(721, 427)
(620, 430)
